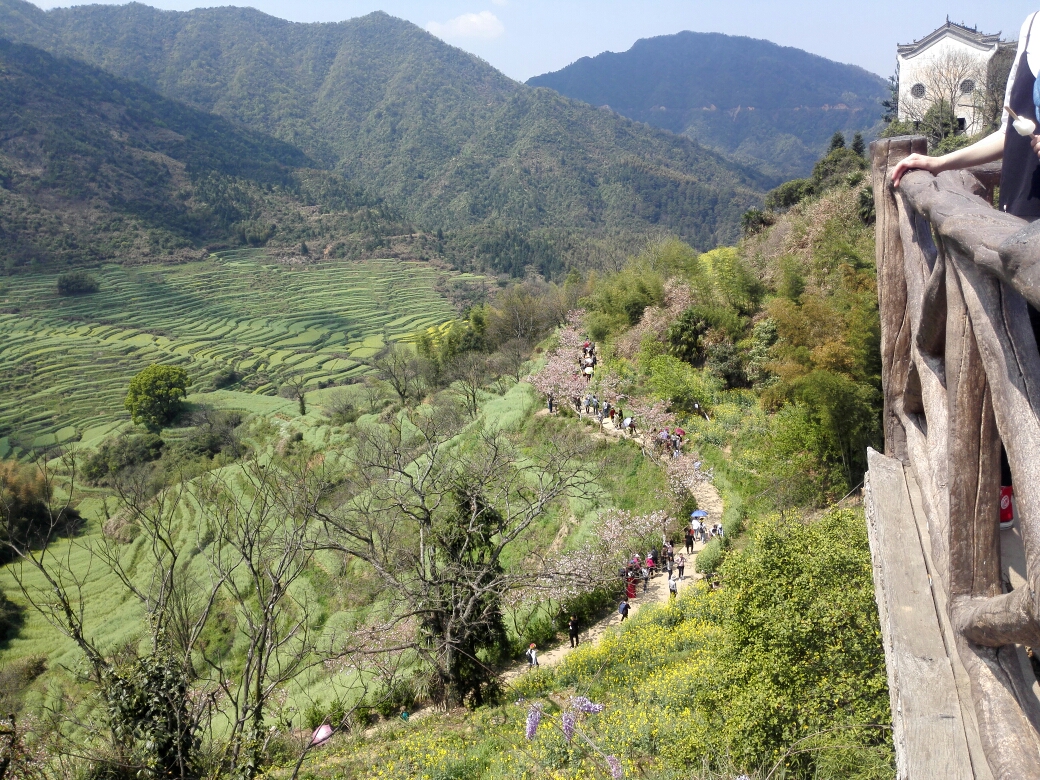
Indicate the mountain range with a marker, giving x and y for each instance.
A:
(771, 106)
(432, 130)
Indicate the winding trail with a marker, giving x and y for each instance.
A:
(708, 499)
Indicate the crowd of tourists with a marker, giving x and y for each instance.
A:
(605, 411)
(670, 442)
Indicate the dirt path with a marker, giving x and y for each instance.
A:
(708, 499)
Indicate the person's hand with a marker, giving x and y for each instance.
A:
(916, 162)
(1035, 143)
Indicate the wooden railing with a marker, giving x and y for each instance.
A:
(961, 374)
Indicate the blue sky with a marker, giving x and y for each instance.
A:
(524, 38)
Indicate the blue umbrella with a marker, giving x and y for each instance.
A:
(699, 513)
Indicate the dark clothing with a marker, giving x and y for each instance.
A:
(1020, 174)
(572, 630)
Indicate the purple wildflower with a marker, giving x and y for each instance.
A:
(581, 704)
(570, 720)
(615, 768)
(534, 717)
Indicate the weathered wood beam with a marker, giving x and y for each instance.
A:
(891, 282)
(1005, 245)
(1011, 361)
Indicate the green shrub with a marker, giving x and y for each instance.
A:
(788, 194)
(710, 558)
(77, 283)
(121, 453)
(588, 607)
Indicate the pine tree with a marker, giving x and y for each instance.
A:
(837, 142)
(858, 145)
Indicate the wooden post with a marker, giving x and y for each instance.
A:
(891, 283)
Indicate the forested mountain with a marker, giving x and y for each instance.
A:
(773, 106)
(93, 166)
(432, 129)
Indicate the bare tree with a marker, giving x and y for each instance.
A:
(176, 703)
(513, 357)
(402, 369)
(954, 80)
(433, 516)
(295, 387)
(470, 372)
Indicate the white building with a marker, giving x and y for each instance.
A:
(951, 62)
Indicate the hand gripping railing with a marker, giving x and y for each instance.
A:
(961, 374)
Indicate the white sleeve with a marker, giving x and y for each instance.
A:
(1022, 35)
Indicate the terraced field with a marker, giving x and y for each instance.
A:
(65, 362)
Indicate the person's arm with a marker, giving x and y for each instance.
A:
(987, 150)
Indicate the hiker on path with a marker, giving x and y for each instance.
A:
(532, 656)
(689, 540)
(572, 630)
(680, 564)
(623, 609)
(550, 398)
(673, 588)
(645, 573)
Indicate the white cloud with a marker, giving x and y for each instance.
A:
(484, 25)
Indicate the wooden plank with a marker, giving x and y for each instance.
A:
(979, 764)
(927, 721)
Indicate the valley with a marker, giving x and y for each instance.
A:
(240, 320)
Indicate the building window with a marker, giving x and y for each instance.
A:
(917, 90)
(962, 123)
(967, 86)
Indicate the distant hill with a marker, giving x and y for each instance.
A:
(95, 167)
(773, 106)
(432, 129)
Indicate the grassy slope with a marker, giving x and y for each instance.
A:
(726, 681)
(433, 129)
(629, 482)
(65, 362)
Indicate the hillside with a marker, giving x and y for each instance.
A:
(773, 106)
(95, 167)
(434, 130)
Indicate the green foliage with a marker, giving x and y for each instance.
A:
(77, 283)
(680, 383)
(840, 166)
(116, 169)
(788, 194)
(938, 122)
(786, 654)
(837, 142)
(802, 648)
(755, 221)
(618, 301)
(859, 146)
(155, 396)
(122, 453)
(710, 557)
(688, 336)
(866, 206)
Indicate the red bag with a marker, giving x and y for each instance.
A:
(1007, 509)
